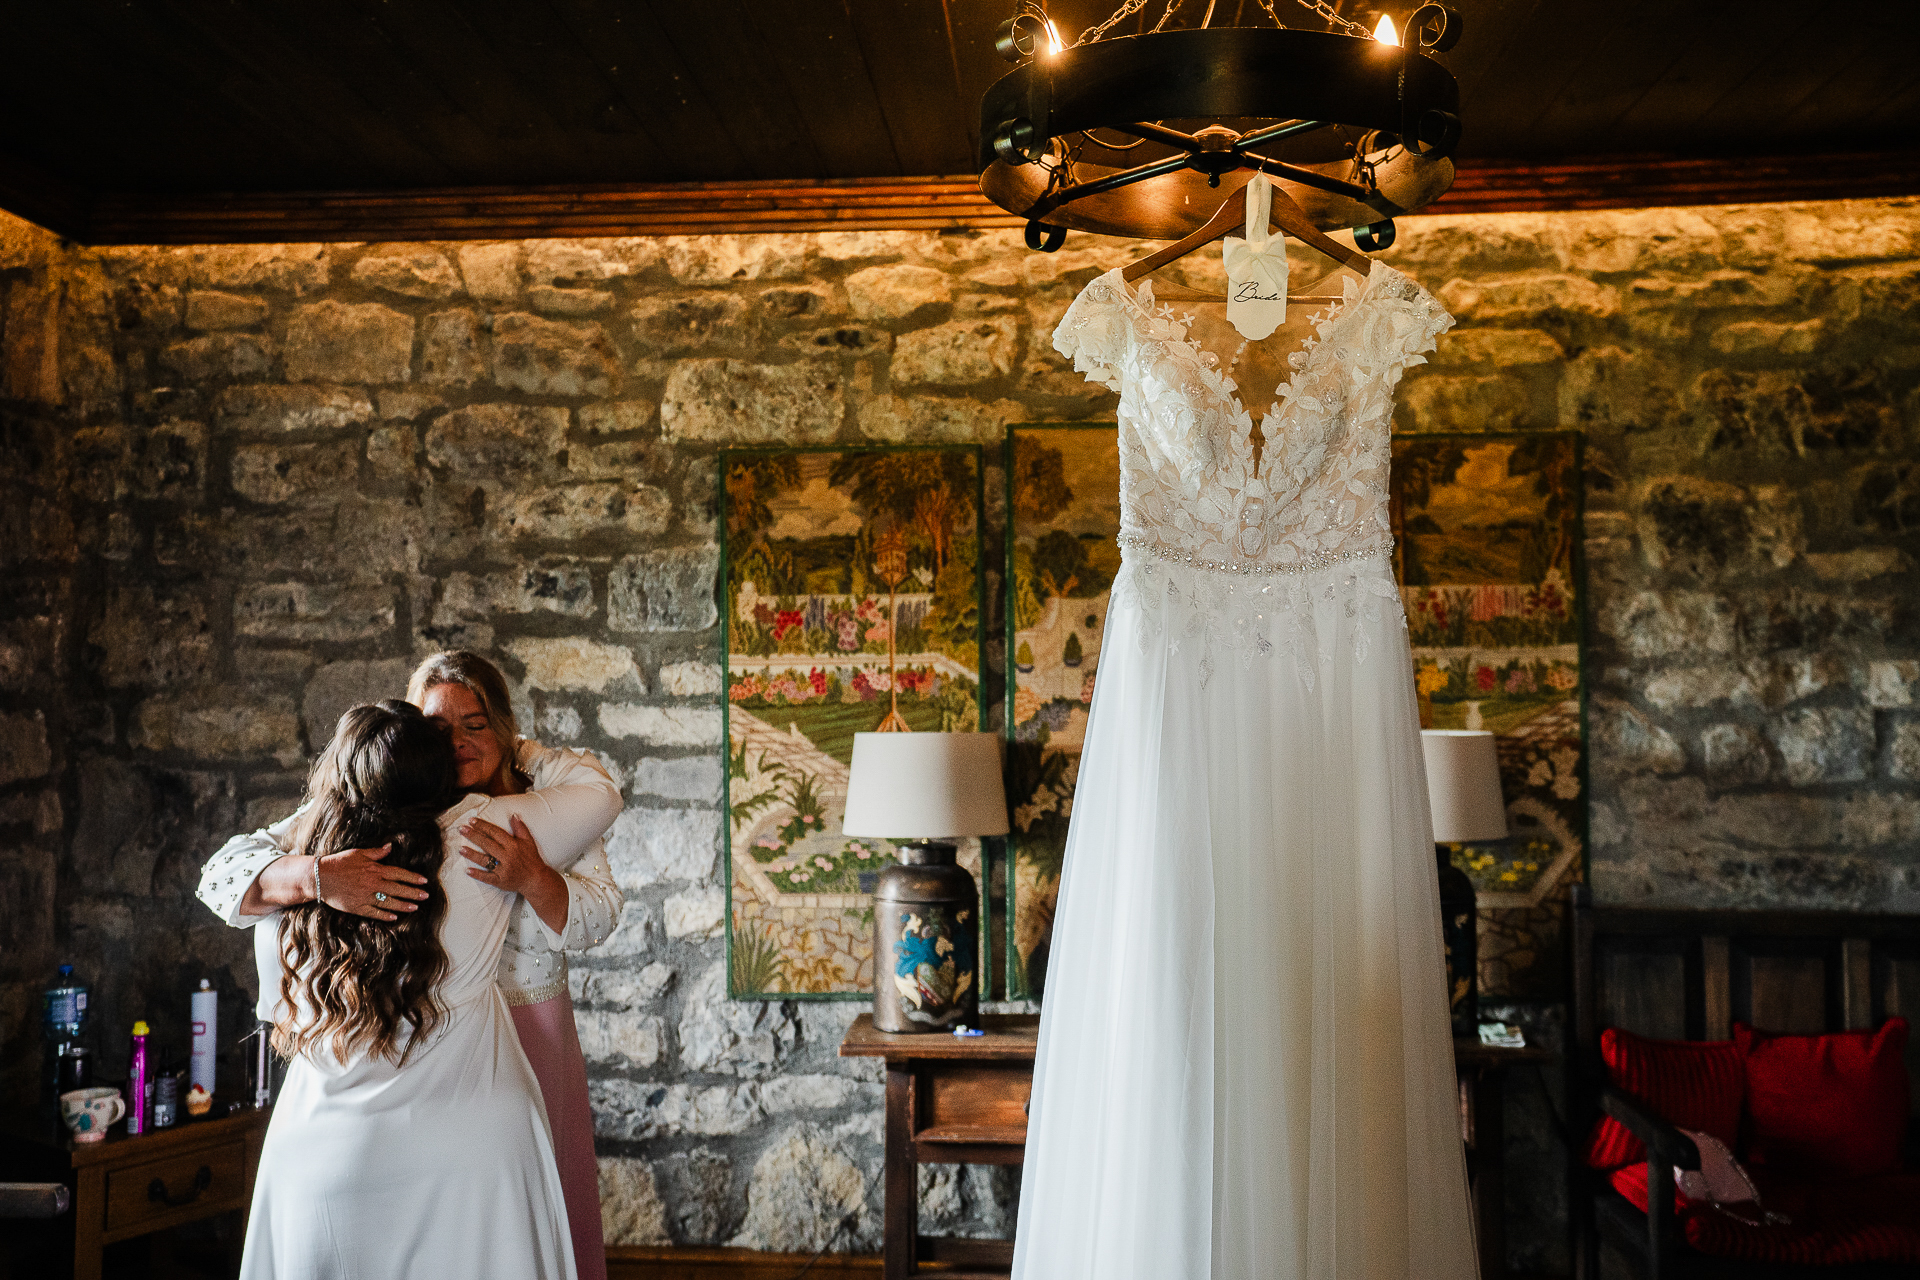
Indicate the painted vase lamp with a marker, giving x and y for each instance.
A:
(1463, 788)
(922, 791)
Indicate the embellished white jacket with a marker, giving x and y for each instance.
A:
(533, 966)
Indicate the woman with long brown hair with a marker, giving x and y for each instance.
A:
(409, 1138)
(562, 907)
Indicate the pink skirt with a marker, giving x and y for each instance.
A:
(552, 1046)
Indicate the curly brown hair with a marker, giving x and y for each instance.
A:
(352, 983)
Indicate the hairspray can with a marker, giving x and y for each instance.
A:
(138, 1078)
(206, 1031)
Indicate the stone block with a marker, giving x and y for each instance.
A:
(1824, 744)
(779, 309)
(1768, 338)
(1529, 297)
(1890, 685)
(634, 934)
(673, 324)
(218, 722)
(506, 443)
(211, 309)
(1649, 624)
(690, 679)
(338, 687)
(699, 1186)
(143, 831)
(670, 589)
(152, 637)
(958, 354)
(694, 778)
(281, 268)
(1628, 742)
(816, 1093)
(854, 246)
(349, 342)
(631, 1212)
(24, 750)
(617, 418)
(391, 452)
(274, 410)
(410, 272)
(562, 588)
(802, 1189)
(569, 302)
(491, 271)
(1501, 348)
(619, 1039)
(896, 292)
(839, 340)
(552, 357)
(652, 846)
(1704, 528)
(730, 259)
(573, 662)
(575, 511)
(696, 913)
(218, 356)
(1859, 565)
(1435, 402)
(587, 261)
(922, 419)
(286, 472)
(1734, 753)
(167, 461)
(406, 405)
(1903, 752)
(662, 726)
(637, 1110)
(31, 648)
(562, 723)
(306, 612)
(731, 401)
(733, 1037)
(355, 540)
(452, 349)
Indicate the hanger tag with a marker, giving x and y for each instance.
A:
(1257, 268)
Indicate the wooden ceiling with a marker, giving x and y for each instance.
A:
(119, 111)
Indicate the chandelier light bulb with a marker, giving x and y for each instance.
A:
(1383, 31)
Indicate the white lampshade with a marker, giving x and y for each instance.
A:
(1463, 786)
(925, 786)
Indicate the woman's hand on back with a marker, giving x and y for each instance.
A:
(511, 860)
(351, 878)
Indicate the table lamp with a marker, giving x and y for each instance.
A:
(1463, 791)
(923, 791)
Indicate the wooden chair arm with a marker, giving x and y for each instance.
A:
(1667, 1149)
(1675, 1148)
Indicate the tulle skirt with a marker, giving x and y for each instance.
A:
(1245, 1066)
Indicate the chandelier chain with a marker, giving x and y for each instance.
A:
(1129, 8)
(1325, 10)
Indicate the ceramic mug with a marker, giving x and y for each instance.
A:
(88, 1112)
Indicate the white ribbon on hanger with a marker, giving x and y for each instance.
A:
(1257, 268)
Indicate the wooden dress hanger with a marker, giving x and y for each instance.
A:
(1287, 215)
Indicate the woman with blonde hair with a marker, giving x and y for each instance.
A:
(562, 907)
(409, 1138)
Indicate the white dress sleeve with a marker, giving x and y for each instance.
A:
(1091, 334)
(594, 900)
(231, 871)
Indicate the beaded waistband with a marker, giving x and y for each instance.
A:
(1312, 564)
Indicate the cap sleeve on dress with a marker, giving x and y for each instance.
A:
(1091, 334)
(1415, 320)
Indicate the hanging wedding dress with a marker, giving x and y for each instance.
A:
(1245, 1068)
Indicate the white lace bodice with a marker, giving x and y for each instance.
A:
(1188, 488)
(1244, 547)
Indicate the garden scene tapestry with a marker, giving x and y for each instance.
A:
(1064, 504)
(852, 591)
(1486, 535)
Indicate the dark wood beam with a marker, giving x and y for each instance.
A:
(863, 204)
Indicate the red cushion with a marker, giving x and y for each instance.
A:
(1827, 1107)
(1692, 1084)
(1869, 1220)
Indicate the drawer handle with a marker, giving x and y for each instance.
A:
(157, 1190)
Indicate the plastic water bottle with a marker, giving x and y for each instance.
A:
(64, 1021)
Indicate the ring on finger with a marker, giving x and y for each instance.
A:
(379, 897)
(493, 863)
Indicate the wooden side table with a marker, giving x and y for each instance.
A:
(950, 1100)
(1482, 1072)
(129, 1186)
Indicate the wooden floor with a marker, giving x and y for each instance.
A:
(626, 1263)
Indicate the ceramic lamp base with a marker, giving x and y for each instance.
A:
(925, 943)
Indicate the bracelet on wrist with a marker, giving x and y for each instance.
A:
(316, 877)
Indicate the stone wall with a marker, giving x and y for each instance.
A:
(247, 486)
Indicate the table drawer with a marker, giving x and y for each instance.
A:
(166, 1188)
